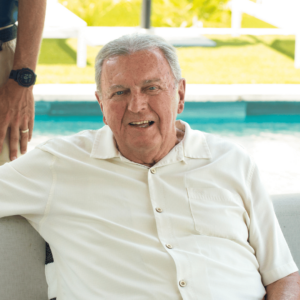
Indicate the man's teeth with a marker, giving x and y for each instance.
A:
(139, 123)
(142, 124)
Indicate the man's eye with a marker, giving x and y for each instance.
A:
(152, 88)
(119, 93)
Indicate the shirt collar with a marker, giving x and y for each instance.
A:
(194, 142)
(104, 146)
(193, 145)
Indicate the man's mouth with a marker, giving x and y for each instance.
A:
(142, 124)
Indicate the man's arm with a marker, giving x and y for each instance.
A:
(17, 102)
(287, 288)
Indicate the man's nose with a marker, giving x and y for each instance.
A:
(137, 102)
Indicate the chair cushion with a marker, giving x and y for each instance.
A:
(22, 263)
(287, 209)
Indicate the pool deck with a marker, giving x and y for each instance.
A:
(194, 92)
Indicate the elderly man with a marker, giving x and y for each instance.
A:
(146, 207)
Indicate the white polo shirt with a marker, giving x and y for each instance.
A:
(197, 225)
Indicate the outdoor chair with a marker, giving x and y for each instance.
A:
(283, 14)
(22, 251)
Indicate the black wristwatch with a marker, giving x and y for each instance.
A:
(24, 77)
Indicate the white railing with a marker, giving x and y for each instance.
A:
(61, 23)
(280, 13)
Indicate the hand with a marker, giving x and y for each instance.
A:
(17, 114)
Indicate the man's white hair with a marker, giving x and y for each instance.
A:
(129, 44)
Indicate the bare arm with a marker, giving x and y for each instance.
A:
(17, 102)
(287, 288)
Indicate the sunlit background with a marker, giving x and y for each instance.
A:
(225, 48)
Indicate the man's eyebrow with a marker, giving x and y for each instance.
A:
(120, 86)
(116, 86)
(151, 80)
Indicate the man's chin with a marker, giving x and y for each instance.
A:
(143, 145)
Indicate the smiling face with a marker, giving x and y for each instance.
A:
(140, 102)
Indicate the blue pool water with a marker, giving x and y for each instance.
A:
(273, 141)
(255, 125)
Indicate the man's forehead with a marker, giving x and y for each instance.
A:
(147, 52)
(145, 60)
(140, 68)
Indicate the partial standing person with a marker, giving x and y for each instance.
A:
(19, 48)
(18, 59)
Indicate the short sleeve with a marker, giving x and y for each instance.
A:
(265, 236)
(25, 185)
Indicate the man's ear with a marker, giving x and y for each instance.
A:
(101, 106)
(181, 95)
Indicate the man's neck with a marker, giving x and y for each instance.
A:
(150, 157)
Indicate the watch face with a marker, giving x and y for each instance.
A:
(26, 77)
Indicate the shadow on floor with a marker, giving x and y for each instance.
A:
(286, 47)
(232, 42)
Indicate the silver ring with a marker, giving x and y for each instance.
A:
(25, 131)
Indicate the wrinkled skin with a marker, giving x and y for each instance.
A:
(17, 102)
(141, 87)
(16, 113)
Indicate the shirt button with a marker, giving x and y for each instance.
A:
(153, 170)
(169, 246)
(158, 209)
(182, 283)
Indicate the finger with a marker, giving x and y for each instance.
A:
(13, 142)
(24, 139)
(2, 137)
(30, 127)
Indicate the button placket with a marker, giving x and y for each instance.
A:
(162, 220)
(163, 215)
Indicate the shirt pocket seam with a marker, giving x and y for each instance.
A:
(198, 194)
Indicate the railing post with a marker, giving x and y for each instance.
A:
(146, 14)
(81, 48)
(236, 17)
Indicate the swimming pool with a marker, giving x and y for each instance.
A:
(273, 140)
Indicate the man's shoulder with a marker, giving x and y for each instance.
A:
(200, 144)
(80, 143)
(223, 146)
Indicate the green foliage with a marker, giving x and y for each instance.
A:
(176, 13)
(106, 12)
(164, 12)
(208, 9)
(173, 13)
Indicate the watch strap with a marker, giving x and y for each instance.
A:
(13, 74)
